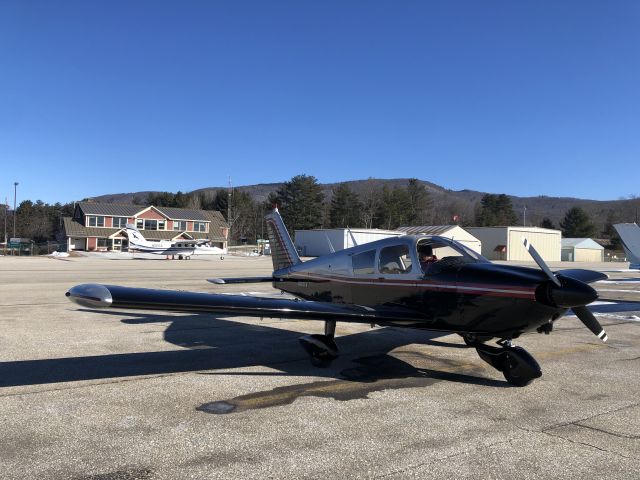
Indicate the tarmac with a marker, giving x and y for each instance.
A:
(115, 395)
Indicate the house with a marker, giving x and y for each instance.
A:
(101, 226)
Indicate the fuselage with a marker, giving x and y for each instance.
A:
(461, 292)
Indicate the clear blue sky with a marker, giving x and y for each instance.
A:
(525, 98)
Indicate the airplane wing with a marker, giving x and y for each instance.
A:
(222, 281)
(111, 296)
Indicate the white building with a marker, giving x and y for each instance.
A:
(314, 243)
(581, 250)
(454, 232)
(505, 243)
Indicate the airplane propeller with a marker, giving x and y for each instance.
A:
(574, 293)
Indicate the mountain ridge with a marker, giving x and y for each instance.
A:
(446, 201)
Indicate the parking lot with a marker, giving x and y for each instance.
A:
(149, 395)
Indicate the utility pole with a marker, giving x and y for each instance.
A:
(229, 211)
(524, 217)
(15, 194)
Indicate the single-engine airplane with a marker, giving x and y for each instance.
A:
(413, 281)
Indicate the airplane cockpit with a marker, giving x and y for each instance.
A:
(427, 255)
(436, 254)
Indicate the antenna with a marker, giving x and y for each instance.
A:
(353, 239)
(331, 249)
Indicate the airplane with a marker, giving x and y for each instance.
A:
(199, 247)
(455, 290)
(138, 243)
(629, 234)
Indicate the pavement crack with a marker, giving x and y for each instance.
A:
(445, 457)
(602, 430)
(577, 422)
(585, 444)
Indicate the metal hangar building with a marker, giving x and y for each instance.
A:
(505, 243)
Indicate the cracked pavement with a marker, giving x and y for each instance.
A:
(146, 395)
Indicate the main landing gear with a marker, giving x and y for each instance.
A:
(516, 364)
(322, 349)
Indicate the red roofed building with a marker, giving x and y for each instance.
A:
(101, 226)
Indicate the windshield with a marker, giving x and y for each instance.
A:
(437, 253)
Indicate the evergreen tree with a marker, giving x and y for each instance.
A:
(495, 210)
(547, 223)
(394, 208)
(345, 210)
(300, 201)
(576, 224)
(419, 203)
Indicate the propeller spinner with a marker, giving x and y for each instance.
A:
(580, 292)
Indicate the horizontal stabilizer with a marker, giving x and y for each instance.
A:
(223, 281)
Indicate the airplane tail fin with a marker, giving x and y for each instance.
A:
(630, 237)
(135, 237)
(283, 252)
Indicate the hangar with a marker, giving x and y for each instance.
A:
(505, 243)
(581, 250)
(454, 232)
(314, 243)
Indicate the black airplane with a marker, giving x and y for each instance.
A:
(413, 281)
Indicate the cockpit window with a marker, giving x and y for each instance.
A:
(436, 254)
(363, 263)
(395, 260)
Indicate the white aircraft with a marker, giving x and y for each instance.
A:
(201, 247)
(630, 237)
(185, 248)
(138, 243)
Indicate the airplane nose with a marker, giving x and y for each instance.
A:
(90, 295)
(572, 293)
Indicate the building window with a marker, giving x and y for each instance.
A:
(179, 225)
(103, 242)
(199, 227)
(120, 222)
(95, 221)
(140, 223)
(154, 224)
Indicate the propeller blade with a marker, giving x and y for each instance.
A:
(585, 315)
(538, 259)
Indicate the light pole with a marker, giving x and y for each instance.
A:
(15, 194)
(6, 207)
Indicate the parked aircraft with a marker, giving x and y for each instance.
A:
(196, 247)
(138, 243)
(413, 281)
(630, 237)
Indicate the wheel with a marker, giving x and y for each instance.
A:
(321, 361)
(519, 368)
(516, 381)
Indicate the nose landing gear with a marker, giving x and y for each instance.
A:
(516, 364)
